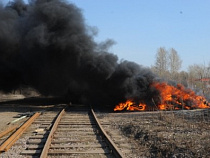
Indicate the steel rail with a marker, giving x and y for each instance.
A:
(5, 132)
(17, 134)
(117, 153)
(50, 136)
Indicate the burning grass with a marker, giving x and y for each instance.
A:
(169, 98)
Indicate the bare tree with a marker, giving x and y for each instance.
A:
(175, 63)
(195, 72)
(207, 71)
(183, 78)
(161, 62)
(199, 77)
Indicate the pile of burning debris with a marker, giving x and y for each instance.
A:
(170, 98)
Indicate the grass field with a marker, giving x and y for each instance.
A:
(169, 134)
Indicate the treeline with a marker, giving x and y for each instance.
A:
(168, 65)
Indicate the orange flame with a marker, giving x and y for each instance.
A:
(171, 97)
(178, 97)
(130, 105)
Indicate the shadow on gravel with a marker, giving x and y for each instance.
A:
(45, 102)
(36, 101)
(33, 104)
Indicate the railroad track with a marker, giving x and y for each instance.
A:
(18, 131)
(74, 132)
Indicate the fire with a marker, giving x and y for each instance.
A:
(178, 97)
(170, 98)
(130, 105)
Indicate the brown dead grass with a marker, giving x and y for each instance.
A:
(179, 134)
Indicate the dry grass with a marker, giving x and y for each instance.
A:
(175, 134)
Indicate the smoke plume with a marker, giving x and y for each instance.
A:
(47, 45)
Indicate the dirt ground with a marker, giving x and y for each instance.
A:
(6, 118)
(166, 133)
(11, 109)
(8, 114)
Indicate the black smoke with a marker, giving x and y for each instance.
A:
(46, 45)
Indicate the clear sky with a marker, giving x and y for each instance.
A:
(140, 27)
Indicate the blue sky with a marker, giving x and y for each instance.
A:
(140, 27)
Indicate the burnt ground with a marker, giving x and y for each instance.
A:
(183, 133)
